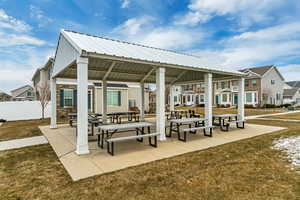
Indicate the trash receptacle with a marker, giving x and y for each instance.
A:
(291, 108)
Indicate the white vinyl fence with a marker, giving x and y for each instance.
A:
(23, 110)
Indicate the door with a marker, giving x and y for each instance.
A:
(235, 99)
(217, 99)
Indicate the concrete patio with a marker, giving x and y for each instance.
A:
(131, 153)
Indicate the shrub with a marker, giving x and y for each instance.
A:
(2, 120)
(286, 105)
(270, 106)
(249, 106)
(200, 105)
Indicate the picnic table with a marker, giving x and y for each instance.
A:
(221, 120)
(106, 132)
(118, 116)
(177, 114)
(185, 121)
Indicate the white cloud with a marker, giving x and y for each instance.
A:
(274, 45)
(192, 18)
(20, 39)
(290, 72)
(170, 38)
(39, 15)
(247, 11)
(125, 3)
(17, 69)
(148, 31)
(133, 26)
(9, 22)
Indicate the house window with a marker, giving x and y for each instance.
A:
(297, 100)
(189, 98)
(201, 98)
(114, 98)
(254, 83)
(224, 97)
(68, 97)
(246, 83)
(223, 85)
(132, 103)
(255, 97)
(29, 93)
(175, 98)
(278, 96)
(249, 97)
(273, 82)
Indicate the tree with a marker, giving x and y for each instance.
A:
(44, 97)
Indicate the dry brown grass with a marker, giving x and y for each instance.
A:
(247, 169)
(22, 129)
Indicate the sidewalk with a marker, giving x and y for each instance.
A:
(270, 115)
(19, 143)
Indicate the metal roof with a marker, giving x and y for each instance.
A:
(85, 43)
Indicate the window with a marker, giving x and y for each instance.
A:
(297, 100)
(224, 97)
(273, 82)
(223, 85)
(114, 98)
(29, 93)
(255, 97)
(132, 103)
(68, 97)
(175, 98)
(278, 96)
(246, 83)
(201, 98)
(249, 97)
(254, 83)
(189, 98)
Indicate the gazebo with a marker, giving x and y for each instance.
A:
(85, 57)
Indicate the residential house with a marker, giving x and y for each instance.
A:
(41, 79)
(4, 97)
(270, 84)
(192, 94)
(24, 93)
(263, 85)
(291, 96)
(120, 97)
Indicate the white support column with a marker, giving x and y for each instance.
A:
(142, 101)
(82, 106)
(208, 98)
(160, 102)
(172, 107)
(104, 101)
(53, 103)
(241, 98)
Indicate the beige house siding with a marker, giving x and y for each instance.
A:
(124, 101)
(270, 90)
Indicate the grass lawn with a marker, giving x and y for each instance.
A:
(247, 169)
(22, 129)
(294, 116)
(248, 112)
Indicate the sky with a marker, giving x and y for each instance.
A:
(229, 33)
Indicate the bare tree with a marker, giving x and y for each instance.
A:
(44, 97)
